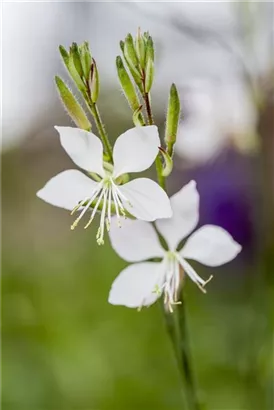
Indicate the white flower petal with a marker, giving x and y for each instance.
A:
(84, 148)
(211, 245)
(136, 285)
(67, 189)
(185, 207)
(147, 200)
(135, 240)
(192, 273)
(135, 150)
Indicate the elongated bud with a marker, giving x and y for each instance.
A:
(122, 46)
(140, 45)
(69, 63)
(167, 161)
(149, 49)
(149, 75)
(138, 119)
(127, 85)
(85, 56)
(172, 120)
(131, 56)
(94, 83)
(73, 108)
(74, 51)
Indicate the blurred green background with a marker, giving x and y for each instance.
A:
(63, 346)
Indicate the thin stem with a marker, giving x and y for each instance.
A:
(101, 129)
(148, 108)
(158, 161)
(185, 357)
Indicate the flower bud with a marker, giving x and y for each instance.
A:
(149, 49)
(85, 56)
(69, 63)
(131, 56)
(172, 120)
(74, 51)
(94, 83)
(149, 75)
(73, 108)
(127, 85)
(140, 45)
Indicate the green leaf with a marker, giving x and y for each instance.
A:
(137, 117)
(168, 163)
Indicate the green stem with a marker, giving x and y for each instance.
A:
(101, 129)
(148, 108)
(158, 161)
(185, 358)
(176, 321)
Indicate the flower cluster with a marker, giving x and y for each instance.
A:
(137, 213)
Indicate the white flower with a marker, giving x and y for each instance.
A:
(134, 151)
(140, 284)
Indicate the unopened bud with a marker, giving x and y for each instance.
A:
(85, 56)
(73, 108)
(172, 120)
(149, 49)
(74, 51)
(69, 63)
(94, 83)
(140, 45)
(149, 75)
(131, 56)
(127, 86)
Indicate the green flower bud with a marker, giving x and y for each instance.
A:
(149, 75)
(127, 85)
(122, 46)
(172, 120)
(166, 171)
(85, 56)
(74, 51)
(149, 49)
(69, 63)
(140, 45)
(131, 56)
(94, 83)
(73, 108)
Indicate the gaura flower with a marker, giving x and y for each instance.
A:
(134, 151)
(141, 283)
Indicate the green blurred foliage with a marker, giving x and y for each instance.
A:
(65, 348)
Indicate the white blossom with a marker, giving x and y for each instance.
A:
(134, 151)
(141, 283)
